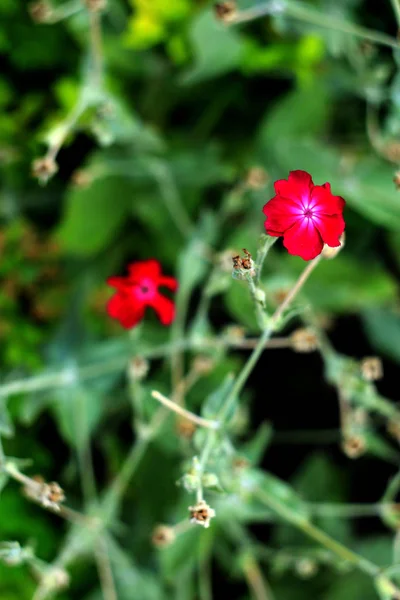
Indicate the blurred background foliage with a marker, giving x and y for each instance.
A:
(171, 153)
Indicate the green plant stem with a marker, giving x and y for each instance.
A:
(255, 579)
(104, 570)
(96, 44)
(308, 15)
(317, 534)
(68, 376)
(117, 489)
(396, 10)
(68, 9)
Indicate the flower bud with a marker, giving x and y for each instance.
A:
(210, 480)
(257, 178)
(185, 428)
(304, 340)
(371, 368)
(354, 446)
(163, 536)
(203, 364)
(226, 11)
(306, 568)
(138, 368)
(44, 168)
(81, 178)
(41, 12)
(328, 252)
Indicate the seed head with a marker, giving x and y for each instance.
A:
(44, 168)
(371, 368)
(201, 514)
(163, 536)
(226, 11)
(304, 340)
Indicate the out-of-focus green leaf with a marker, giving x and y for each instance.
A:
(93, 215)
(383, 329)
(217, 49)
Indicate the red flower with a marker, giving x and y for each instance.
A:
(306, 215)
(137, 291)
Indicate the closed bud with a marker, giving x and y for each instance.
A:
(44, 168)
(371, 368)
(41, 12)
(259, 296)
(138, 368)
(257, 178)
(210, 480)
(185, 428)
(226, 11)
(190, 482)
(203, 364)
(81, 178)
(329, 252)
(163, 536)
(354, 446)
(304, 340)
(306, 568)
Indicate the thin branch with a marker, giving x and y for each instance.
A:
(104, 570)
(184, 412)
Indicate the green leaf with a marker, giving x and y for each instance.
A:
(93, 215)
(383, 329)
(216, 48)
(214, 402)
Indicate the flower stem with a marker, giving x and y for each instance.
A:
(295, 289)
(396, 9)
(311, 16)
(255, 579)
(183, 412)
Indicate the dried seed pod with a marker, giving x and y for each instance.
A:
(201, 514)
(163, 536)
(304, 340)
(44, 168)
(371, 368)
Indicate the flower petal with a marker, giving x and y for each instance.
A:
(324, 202)
(122, 308)
(303, 239)
(164, 308)
(281, 214)
(330, 227)
(120, 283)
(144, 269)
(298, 187)
(169, 282)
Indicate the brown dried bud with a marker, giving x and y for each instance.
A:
(240, 463)
(329, 252)
(371, 368)
(396, 180)
(203, 364)
(242, 265)
(49, 495)
(185, 428)
(257, 178)
(304, 340)
(163, 536)
(95, 5)
(234, 334)
(354, 446)
(44, 168)
(81, 179)
(393, 428)
(40, 12)
(138, 368)
(226, 11)
(201, 514)
(392, 151)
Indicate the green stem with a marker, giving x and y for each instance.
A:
(396, 9)
(308, 15)
(318, 535)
